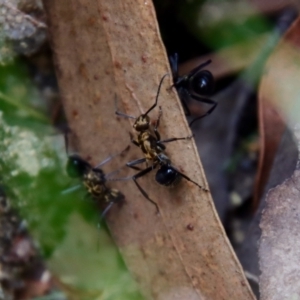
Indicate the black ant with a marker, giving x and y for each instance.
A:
(196, 83)
(153, 147)
(94, 179)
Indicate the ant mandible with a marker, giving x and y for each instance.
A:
(94, 179)
(196, 84)
(149, 140)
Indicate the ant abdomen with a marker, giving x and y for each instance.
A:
(166, 175)
(202, 83)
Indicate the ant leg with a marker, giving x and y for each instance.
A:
(204, 100)
(174, 64)
(103, 214)
(157, 94)
(67, 132)
(111, 157)
(158, 119)
(174, 67)
(112, 173)
(183, 95)
(146, 195)
(189, 179)
(71, 189)
(132, 164)
(198, 68)
(176, 139)
(66, 143)
(158, 135)
(138, 175)
(107, 208)
(115, 197)
(133, 141)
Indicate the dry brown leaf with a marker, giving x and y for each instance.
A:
(278, 250)
(103, 48)
(280, 84)
(277, 89)
(271, 128)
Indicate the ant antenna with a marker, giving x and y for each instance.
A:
(120, 113)
(157, 94)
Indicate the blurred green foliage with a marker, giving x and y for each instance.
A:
(19, 99)
(222, 23)
(196, 27)
(32, 169)
(7, 53)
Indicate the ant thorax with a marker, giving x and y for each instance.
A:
(94, 181)
(183, 82)
(202, 83)
(148, 144)
(163, 159)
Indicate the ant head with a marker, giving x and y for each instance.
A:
(142, 123)
(76, 166)
(166, 175)
(203, 83)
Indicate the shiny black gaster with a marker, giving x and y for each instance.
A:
(197, 84)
